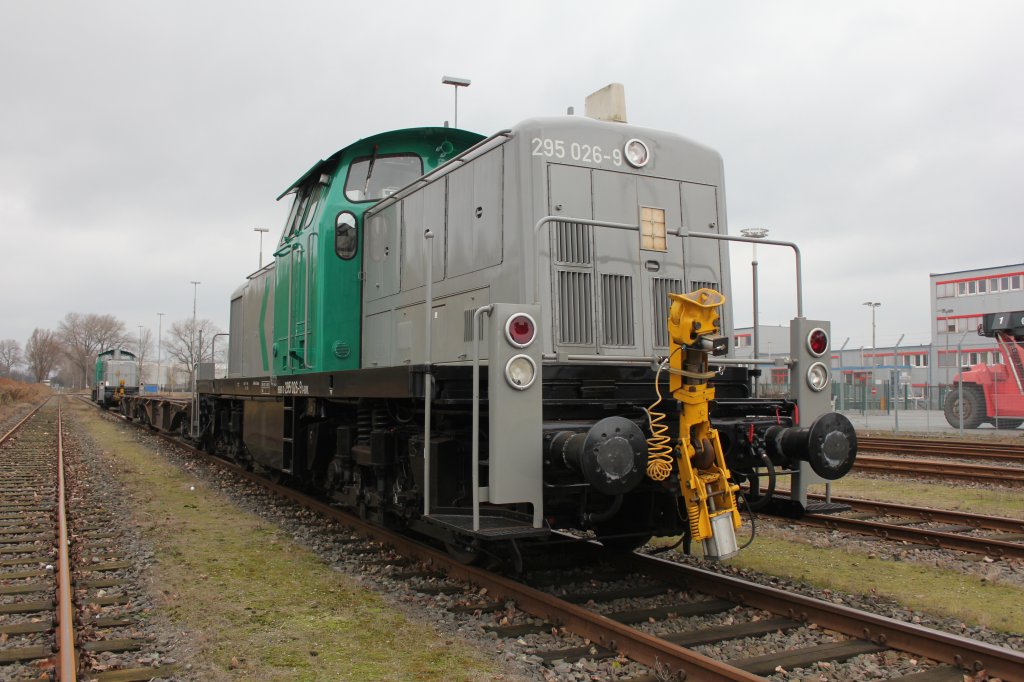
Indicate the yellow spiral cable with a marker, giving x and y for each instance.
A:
(660, 456)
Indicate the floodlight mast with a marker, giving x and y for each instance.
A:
(457, 83)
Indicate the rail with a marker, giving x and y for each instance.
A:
(67, 660)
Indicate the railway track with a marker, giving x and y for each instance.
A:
(677, 627)
(984, 450)
(995, 536)
(932, 468)
(63, 589)
(35, 579)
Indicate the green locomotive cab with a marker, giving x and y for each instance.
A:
(319, 257)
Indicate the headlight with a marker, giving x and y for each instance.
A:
(520, 372)
(817, 376)
(637, 153)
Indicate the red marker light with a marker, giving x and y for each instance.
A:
(520, 330)
(817, 342)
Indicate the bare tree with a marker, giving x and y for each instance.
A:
(42, 352)
(85, 335)
(10, 356)
(190, 344)
(143, 345)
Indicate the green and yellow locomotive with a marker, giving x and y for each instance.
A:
(484, 339)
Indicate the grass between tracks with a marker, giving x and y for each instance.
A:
(916, 586)
(956, 496)
(259, 606)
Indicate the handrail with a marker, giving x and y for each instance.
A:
(428, 389)
(443, 169)
(476, 413)
(295, 246)
(565, 219)
(305, 302)
(771, 242)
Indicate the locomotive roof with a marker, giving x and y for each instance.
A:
(111, 351)
(366, 144)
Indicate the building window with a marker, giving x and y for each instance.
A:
(742, 340)
(1015, 282)
(945, 290)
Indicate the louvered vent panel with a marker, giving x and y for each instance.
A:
(662, 286)
(575, 308)
(467, 326)
(573, 243)
(694, 286)
(617, 310)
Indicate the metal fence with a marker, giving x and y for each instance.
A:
(883, 406)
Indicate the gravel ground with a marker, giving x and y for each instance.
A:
(385, 574)
(115, 537)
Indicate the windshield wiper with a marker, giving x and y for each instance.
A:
(369, 171)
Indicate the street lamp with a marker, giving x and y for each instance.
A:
(140, 354)
(456, 83)
(262, 231)
(873, 305)
(192, 336)
(755, 233)
(159, 350)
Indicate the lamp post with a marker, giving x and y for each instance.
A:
(872, 305)
(192, 336)
(159, 350)
(140, 355)
(456, 83)
(262, 231)
(755, 233)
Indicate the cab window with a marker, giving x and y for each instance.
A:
(371, 178)
(307, 199)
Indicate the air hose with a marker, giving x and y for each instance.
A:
(660, 455)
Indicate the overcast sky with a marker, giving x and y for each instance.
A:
(141, 142)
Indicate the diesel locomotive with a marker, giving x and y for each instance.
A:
(117, 374)
(484, 339)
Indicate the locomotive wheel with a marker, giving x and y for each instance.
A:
(1004, 423)
(973, 407)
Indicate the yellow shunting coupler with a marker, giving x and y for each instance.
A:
(704, 484)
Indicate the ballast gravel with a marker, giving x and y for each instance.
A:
(418, 598)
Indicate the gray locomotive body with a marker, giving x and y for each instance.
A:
(545, 255)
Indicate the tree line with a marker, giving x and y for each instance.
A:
(67, 354)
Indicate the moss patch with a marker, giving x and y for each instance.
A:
(916, 586)
(259, 606)
(959, 497)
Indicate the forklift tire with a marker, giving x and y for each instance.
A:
(973, 407)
